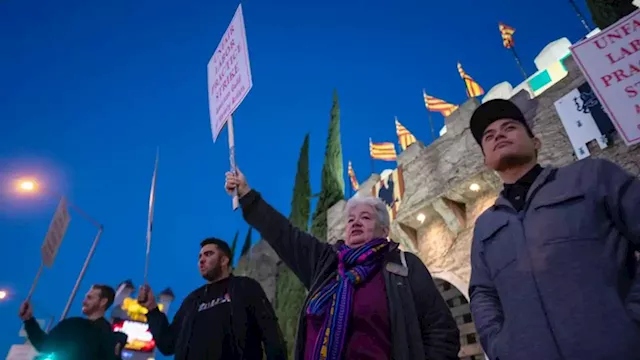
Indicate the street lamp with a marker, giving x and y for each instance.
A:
(29, 185)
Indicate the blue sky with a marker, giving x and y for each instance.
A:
(89, 89)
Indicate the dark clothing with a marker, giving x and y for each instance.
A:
(214, 307)
(229, 320)
(516, 193)
(369, 337)
(74, 339)
(557, 280)
(421, 325)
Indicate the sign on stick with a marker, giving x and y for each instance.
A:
(610, 61)
(57, 229)
(228, 74)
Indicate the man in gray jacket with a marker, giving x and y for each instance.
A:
(553, 267)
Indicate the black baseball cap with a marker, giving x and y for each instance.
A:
(494, 110)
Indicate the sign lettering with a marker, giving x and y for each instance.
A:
(610, 61)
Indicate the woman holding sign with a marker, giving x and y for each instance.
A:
(367, 299)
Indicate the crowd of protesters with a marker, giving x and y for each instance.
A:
(553, 275)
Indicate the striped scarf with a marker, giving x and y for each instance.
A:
(335, 300)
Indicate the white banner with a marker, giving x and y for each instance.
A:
(228, 74)
(579, 123)
(610, 61)
(57, 229)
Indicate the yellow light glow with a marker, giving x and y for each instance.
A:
(26, 185)
(135, 310)
(421, 217)
(474, 187)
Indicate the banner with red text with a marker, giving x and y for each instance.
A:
(228, 74)
(610, 60)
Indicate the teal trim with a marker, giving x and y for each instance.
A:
(539, 81)
(562, 61)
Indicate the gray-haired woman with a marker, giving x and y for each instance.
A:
(367, 299)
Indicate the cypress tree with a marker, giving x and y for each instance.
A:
(233, 244)
(233, 249)
(290, 293)
(332, 188)
(606, 12)
(247, 244)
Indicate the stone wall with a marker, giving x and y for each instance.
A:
(261, 263)
(437, 181)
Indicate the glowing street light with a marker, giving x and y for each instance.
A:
(3, 294)
(27, 185)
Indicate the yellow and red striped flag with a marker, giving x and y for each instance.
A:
(382, 151)
(507, 35)
(405, 137)
(352, 177)
(437, 105)
(473, 88)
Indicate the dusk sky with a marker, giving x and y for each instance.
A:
(89, 90)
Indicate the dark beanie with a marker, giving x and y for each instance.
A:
(491, 111)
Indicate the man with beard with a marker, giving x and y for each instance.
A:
(78, 338)
(553, 269)
(228, 318)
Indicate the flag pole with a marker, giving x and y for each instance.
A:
(433, 133)
(580, 16)
(515, 55)
(466, 89)
(371, 157)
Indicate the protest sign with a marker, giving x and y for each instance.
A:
(228, 74)
(610, 60)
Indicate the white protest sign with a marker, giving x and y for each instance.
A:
(57, 229)
(228, 74)
(610, 61)
(22, 352)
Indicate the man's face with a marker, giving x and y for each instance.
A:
(507, 143)
(93, 302)
(211, 261)
(363, 226)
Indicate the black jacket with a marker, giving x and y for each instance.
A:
(253, 322)
(74, 338)
(422, 326)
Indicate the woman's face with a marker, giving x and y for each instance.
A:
(363, 226)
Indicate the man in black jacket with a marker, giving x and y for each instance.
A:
(78, 338)
(228, 318)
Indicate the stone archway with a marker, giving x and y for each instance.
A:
(470, 348)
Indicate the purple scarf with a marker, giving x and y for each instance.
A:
(335, 300)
